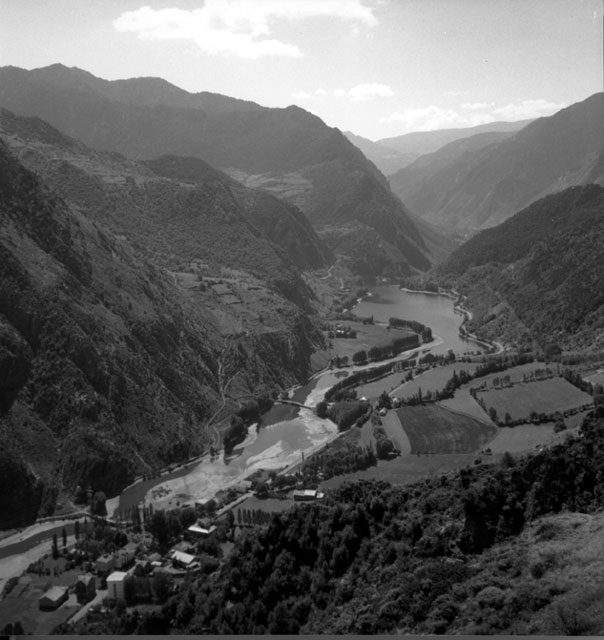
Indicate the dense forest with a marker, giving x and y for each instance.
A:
(373, 558)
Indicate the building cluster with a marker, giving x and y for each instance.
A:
(133, 559)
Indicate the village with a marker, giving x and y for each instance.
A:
(139, 563)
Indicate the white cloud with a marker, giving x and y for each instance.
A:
(365, 91)
(239, 27)
(473, 106)
(527, 109)
(305, 95)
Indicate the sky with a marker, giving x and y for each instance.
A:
(378, 68)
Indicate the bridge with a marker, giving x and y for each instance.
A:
(295, 404)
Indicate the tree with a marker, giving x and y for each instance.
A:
(158, 526)
(130, 590)
(161, 585)
(321, 409)
(384, 401)
(55, 546)
(360, 357)
(77, 530)
(98, 506)
(64, 538)
(493, 414)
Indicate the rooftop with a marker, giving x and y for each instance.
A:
(117, 576)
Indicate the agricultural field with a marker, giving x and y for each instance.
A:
(268, 505)
(407, 469)
(434, 429)
(596, 378)
(21, 604)
(465, 404)
(394, 430)
(368, 335)
(433, 380)
(526, 438)
(544, 396)
(372, 390)
(516, 374)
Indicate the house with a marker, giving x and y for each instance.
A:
(306, 495)
(195, 531)
(125, 555)
(105, 563)
(185, 560)
(85, 588)
(53, 598)
(115, 585)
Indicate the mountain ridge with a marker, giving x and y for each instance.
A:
(338, 182)
(484, 187)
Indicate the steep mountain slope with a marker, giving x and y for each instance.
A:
(483, 188)
(387, 160)
(539, 275)
(283, 224)
(110, 365)
(417, 176)
(201, 215)
(422, 142)
(287, 151)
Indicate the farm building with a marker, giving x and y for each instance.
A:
(306, 495)
(115, 585)
(85, 588)
(53, 598)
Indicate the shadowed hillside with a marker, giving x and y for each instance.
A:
(539, 275)
(112, 365)
(484, 187)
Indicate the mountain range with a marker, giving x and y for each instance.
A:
(420, 143)
(482, 187)
(130, 301)
(386, 159)
(288, 152)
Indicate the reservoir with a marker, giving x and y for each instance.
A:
(435, 311)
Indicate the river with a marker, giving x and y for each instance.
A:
(435, 311)
(285, 435)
